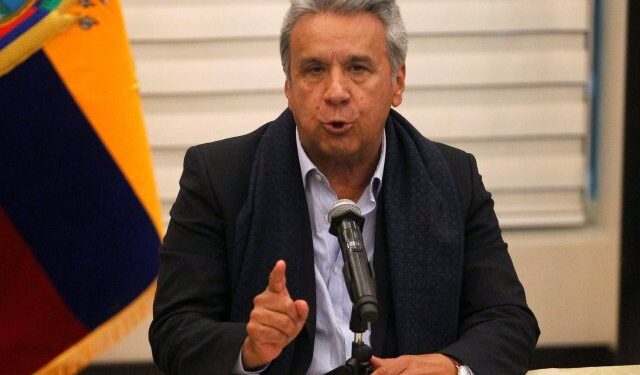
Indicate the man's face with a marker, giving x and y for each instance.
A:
(341, 87)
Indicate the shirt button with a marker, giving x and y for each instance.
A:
(336, 270)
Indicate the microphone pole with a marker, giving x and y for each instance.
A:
(346, 224)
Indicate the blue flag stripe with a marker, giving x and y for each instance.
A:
(68, 199)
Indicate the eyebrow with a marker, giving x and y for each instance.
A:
(360, 59)
(352, 59)
(311, 60)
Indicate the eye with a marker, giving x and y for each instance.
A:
(358, 69)
(314, 69)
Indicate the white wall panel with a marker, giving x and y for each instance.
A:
(508, 164)
(505, 80)
(192, 20)
(500, 173)
(443, 115)
(188, 76)
(237, 67)
(540, 208)
(441, 123)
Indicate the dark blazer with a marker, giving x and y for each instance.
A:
(191, 332)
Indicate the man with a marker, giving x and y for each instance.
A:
(251, 209)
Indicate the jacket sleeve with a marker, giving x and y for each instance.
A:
(498, 332)
(190, 332)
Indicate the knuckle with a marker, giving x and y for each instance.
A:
(254, 315)
(257, 299)
(251, 328)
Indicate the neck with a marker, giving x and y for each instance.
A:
(349, 180)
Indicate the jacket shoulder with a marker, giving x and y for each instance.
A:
(461, 165)
(232, 152)
(227, 164)
(456, 158)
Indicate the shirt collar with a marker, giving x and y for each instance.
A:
(307, 166)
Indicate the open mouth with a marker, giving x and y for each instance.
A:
(337, 127)
(337, 124)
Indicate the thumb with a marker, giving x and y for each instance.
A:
(302, 308)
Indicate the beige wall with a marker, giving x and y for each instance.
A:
(571, 275)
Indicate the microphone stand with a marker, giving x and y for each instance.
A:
(363, 310)
(360, 361)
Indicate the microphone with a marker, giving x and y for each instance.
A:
(346, 224)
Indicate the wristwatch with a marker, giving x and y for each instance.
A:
(462, 369)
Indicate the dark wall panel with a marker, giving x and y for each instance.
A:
(629, 339)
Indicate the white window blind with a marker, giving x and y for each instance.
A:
(503, 79)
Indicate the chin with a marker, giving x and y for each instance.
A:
(341, 153)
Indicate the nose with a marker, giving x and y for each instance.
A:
(336, 92)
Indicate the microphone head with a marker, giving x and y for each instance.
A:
(341, 208)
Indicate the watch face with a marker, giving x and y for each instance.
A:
(464, 370)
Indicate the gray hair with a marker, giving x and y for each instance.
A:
(386, 10)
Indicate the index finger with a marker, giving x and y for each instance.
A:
(277, 279)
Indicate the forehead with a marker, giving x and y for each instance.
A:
(316, 35)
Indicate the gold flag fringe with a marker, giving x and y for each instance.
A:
(28, 43)
(77, 357)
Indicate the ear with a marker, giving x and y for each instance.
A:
(287, 90)
(399, 86)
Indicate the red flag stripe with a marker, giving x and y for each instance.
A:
(35, 323)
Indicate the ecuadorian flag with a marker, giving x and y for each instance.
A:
(79, 214)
